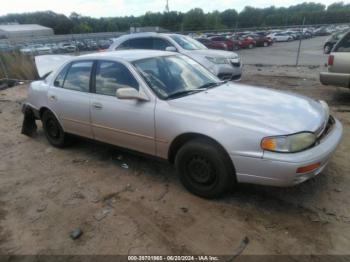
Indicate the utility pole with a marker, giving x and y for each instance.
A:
(301, 36)
(167, 6)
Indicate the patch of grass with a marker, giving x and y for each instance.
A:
(14, 65)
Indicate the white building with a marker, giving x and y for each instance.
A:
(15, 31)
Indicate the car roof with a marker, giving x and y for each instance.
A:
(128, 55)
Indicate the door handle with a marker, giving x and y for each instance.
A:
(97, 106)
(52, 98)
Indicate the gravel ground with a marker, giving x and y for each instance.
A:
(46, 192)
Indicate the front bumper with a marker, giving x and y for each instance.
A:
(280, 169)
(337, 79)
(228, 71)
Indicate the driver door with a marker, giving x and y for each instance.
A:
(127, 123)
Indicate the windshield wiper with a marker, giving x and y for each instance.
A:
(212, 85)
(199, 89)
(185, 92)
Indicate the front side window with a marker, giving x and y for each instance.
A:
(187, 43)
(110, 76)
(174, 76)
(78, 76)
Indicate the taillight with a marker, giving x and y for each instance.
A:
(330, 60)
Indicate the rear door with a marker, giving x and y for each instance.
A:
(126, 123)
(69, 98)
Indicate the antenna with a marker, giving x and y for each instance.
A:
(167, 6)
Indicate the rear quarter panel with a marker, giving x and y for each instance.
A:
(37, 94)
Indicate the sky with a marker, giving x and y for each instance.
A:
(111, 8)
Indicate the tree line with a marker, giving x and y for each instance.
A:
(195, 19)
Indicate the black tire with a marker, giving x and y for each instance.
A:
(53, 130)
(204, 169)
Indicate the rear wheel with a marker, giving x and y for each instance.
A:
(250, 46)
(204, 169)
(266, 44)
(53, 130)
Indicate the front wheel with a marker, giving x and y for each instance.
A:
(250, 46)
(204, 169)
(53, 130)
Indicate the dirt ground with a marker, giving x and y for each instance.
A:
(46, 192)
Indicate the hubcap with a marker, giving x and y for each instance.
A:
(201, 171)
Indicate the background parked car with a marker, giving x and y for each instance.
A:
(261, 40)
(67, 47)
(231, 44)
(338, 64)
(245, 41)
(212, 44)
(280, 37)
(36, 49)
(226, 65)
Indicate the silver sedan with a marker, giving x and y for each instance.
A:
(166, 105)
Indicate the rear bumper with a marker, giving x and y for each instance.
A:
(336, 79)
(280, 169)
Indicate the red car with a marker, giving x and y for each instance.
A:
(212, 44)
(231, 43)
(245, 41)
(261, 40)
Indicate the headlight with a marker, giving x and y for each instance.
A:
(289, 144)
(217, 60)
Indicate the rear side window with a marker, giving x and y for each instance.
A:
(344, 44)
(78, 76)
(141, 43)
(145, 43)
(110, 76)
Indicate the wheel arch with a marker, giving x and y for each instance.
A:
(45, 108)
(182, 139)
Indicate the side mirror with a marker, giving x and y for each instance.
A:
(130, 93)
(170, 49)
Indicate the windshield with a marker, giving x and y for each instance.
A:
(187, 43)
(175, 76)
